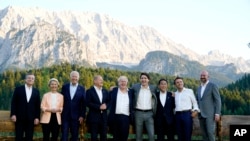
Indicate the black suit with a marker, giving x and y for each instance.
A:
(97, 119)
(25, 112)
(164, 118)
(119, 123)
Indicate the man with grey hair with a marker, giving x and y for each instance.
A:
(74, 107)
(121, 110)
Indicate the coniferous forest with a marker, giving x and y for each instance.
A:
(235, 96)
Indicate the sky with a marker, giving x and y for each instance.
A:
(201, 25)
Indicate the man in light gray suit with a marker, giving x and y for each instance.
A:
(145, 104)
(209, 102)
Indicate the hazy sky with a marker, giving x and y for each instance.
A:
(201, 25)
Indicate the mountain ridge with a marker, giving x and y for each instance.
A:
(89, 38)
(174, 65)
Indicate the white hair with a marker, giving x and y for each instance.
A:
(75, 72)
(122, 78)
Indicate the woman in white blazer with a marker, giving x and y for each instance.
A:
(51, 106)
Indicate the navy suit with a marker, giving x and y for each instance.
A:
(120, 133)
(164, 118)
(73, 109)
(96, 118)
(26, 112)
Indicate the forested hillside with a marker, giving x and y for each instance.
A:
(236, 97)
(235, 101)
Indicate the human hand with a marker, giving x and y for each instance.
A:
(217, 117)
(173, 94)
(194, 114)
(103, 106)
(13, 118)
(81, 119)
(53, 110)
(36, 121)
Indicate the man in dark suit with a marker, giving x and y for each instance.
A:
(209, 102)
(25, 109)
(145, 104)
(121, 110)
(164, 118)
(97, 100)
(74, 107)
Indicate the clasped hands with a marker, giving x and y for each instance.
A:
(53, 110)
(103, 107)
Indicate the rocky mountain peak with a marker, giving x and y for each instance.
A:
(85, 36)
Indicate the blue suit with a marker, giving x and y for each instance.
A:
(120, 133)
(73, 109)
(96, 118)
(164, 118)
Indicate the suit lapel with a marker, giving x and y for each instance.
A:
(167, 97)
(95, 94)
(137, 89)
(199, 92)
(68, 93)
(115, 96)
(159, 99)
(31, 96)
(75, 92)
(206, 89)
(24, 94)
(103, 95)
(130, 95)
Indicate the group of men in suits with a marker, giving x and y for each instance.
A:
(142, 105)
(206, 104)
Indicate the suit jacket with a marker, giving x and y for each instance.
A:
(136, 89)
(75, 108)
(21, 108)
(113, 96)
(165, 112)
(47, 104)
(93, 102)
(210, 102)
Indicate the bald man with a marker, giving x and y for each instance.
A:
(209, 102)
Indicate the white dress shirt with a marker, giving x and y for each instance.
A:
(99, 93)
(185, 100)
(203, 87)
(163, 98)
(72, 89)
(144, 101)
(28, 91)
(122, 103)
